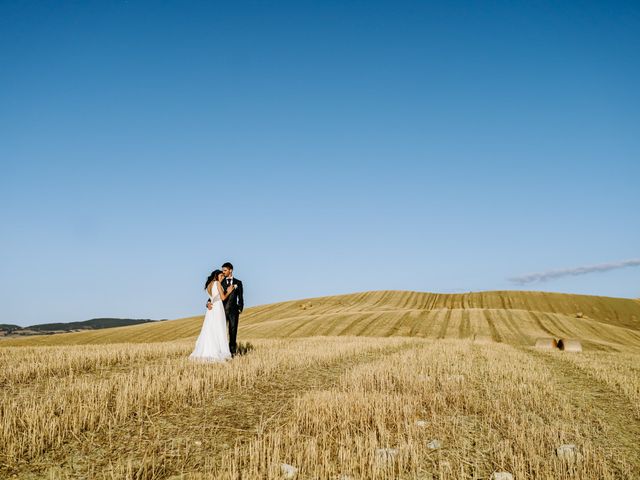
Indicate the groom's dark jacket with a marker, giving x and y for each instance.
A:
(234, 304)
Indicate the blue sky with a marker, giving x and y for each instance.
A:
(323, 147)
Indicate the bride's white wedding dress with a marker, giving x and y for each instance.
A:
(212, 344)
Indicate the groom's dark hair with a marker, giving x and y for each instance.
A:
(227, 265)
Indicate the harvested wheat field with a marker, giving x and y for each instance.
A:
(375, 385)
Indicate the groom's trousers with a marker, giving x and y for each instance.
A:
(232, 321)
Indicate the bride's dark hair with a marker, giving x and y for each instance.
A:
(213, 276)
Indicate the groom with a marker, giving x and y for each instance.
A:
(233, 305)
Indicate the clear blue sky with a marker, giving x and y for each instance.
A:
(323, 147)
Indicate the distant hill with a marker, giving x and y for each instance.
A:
(10, 330)
(512, 317)
(9, 326)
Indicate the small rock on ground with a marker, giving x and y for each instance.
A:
(569, 453)
(501, 476)
(434, 444)
(384, 454)
(288, 471)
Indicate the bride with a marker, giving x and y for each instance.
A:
(212, 344)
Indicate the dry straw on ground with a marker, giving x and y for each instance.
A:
(325, 406)
(328, 406)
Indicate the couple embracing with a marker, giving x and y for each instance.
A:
(226, 301)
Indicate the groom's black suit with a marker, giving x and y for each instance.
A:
(233, 306)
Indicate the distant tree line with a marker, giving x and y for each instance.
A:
(93, 324)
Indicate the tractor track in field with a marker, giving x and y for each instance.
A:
(235, 418)
(543, 327)
(464, 330)
(442, 331)
(611, 413)
(495, 334)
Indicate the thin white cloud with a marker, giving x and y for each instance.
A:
(566, 272)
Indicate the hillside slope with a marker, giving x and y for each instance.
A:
(512, 317)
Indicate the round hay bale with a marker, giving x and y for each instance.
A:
(546, 342)
(570, 345)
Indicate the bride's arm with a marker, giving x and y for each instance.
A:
(223, 295)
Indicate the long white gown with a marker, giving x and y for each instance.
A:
(212, 344)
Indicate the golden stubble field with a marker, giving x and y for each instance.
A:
(322, 407)
(343, 407)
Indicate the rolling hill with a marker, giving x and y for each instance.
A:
(330, 386)
(512, 317)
